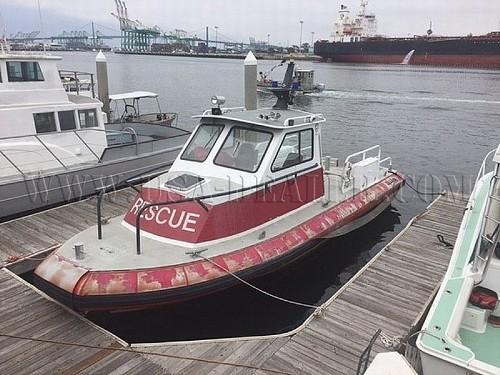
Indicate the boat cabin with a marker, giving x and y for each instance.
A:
(268, 160)
(33, 100)
(50, 126)
(305, 79)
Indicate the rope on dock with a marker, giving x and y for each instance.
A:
(431, 193)
(318, 308)
(142, 352)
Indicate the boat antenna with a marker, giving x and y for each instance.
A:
(429, 32)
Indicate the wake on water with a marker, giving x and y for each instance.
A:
(369, 95)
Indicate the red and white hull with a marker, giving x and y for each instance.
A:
(87, 290)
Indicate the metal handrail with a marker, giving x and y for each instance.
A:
(51, 153)
(129, 181)
(307, 119)
(224, 111)
(363, 153)
(12, 163)
(482, 170)
(348, 163)
(86, 145)
(134, 133)
(77, 132)
(265, 185)
(75, 75)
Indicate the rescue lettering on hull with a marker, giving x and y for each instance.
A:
(173, 217)
(193, 223)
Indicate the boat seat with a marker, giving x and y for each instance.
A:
(247, 157)
(292, 159)
(484, 298)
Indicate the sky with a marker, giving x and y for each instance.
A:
(239, 19)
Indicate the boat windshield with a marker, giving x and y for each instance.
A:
(244, 149)
(202, 143)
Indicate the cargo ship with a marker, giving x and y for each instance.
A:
(355, 40)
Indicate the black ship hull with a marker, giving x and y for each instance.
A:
(474, 52)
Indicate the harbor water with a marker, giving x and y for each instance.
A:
(436, 123)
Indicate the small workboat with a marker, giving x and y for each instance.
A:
(250, 192)
(301, 81)
(461, 334)
(131, 110)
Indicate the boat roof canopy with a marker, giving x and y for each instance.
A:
(266, 117)
(27, 56)
(133, 95)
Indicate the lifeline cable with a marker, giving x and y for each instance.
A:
(415, 189)
(316, 307)
(172, 356)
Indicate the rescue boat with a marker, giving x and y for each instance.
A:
(250, 192)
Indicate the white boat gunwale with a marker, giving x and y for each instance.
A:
(440, 337)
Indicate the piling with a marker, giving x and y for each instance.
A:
(250, 82)
(102, 82)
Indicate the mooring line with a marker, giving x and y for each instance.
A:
(128, 350)
(318, 308)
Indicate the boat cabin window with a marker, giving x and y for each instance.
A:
(296, 148)
(244, 149)
(24, 71)
(88, 118)
(202, 143)
(67, 120)
(45, 122)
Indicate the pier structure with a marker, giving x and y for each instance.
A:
(388, 297)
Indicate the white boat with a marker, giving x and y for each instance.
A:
(250, 192)
(299, 81)
(55, 146)
(461, 334)
(131, 110)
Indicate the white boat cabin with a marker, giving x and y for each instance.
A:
(40, 121)
(252, 147)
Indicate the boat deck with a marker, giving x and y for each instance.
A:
(483, 345)
(389, 293)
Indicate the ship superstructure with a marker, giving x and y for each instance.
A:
(354, 29)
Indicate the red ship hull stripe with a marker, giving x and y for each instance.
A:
(480, 61)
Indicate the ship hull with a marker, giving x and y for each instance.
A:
(457, 52)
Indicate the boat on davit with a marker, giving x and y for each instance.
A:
(249, 193)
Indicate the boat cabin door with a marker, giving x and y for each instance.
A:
(306, 79)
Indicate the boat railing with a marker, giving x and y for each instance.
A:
(305, 119)
(483, 171)
(225, 110)
(489, 236)
(77, 84)
(374, 151)
(61, 150)
(363, 154)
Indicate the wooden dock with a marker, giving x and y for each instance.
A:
(39, 336)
